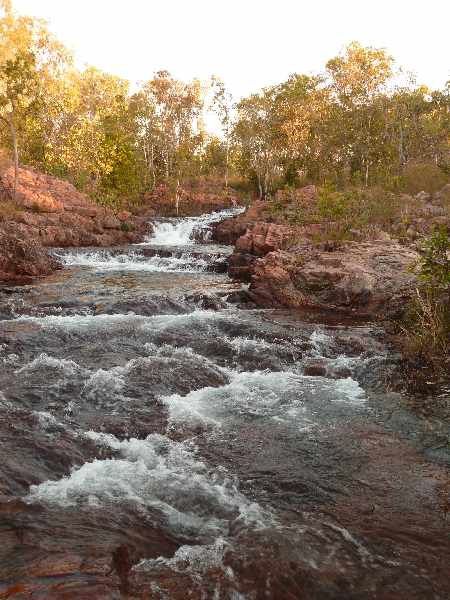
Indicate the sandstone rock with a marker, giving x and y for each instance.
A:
(371, 278)
(124, 215)
(263, 238)
(423, 197)
(23, 259)
(84, 211)
(110, 222)
(240, 266)
(315, 368)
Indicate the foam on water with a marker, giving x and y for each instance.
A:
(181, 232)
(65, 367)
(82, 321)
(103, 261)
(282, 396)
(253, 394)
(104, 383)
(157, 473)
(153, 322)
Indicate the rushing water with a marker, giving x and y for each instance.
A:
(157, 442)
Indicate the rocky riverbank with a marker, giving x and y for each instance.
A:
(50, 212)
(300, 266)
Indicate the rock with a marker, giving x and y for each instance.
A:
(263, 238)
(110, 222)
(53, 212)
(21, 260)
(423, 197)
(240, 266)
(124, 215)
(370, 278)
(315, 368)
(230, 230)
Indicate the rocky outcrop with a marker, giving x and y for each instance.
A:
(263, 238)
(54, 213)
(230, 230)
(21, 260)
(368, 278)
(50, 212)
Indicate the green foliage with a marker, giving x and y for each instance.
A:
(348, 128)
(434, 264)
(427, 322)
(126, 227)
(333, 205)
(418, 177)
(427, 328)
(351, 128)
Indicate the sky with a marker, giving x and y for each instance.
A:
(248, 43)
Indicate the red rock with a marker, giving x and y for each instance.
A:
(372, 278)
(21, 260)
(263, 238)
(124, 215)
(110, 222)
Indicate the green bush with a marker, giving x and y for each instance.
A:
(427, 323)
(126, 227)
(420, 177)
(434, 263)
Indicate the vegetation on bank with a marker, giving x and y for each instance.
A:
(426, 327)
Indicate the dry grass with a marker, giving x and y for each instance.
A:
(427, 328)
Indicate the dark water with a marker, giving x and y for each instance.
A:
(157, 442)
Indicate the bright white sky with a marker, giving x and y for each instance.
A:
(248, 43)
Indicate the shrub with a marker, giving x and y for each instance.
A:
(427, 324)
(126, 227)
(434, 263)
(419, 177)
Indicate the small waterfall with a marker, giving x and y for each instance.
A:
(185, 232)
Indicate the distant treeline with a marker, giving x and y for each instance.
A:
(355, 124)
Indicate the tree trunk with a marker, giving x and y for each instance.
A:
(15, 155)
(177, 197)
(226, 164)
(401, 158)
(260, 187)
(10, 122)
(153, 168)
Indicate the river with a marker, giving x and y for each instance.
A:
(159, 442)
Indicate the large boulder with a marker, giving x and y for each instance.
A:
(263, 238)
(370, 278)
(21, 260)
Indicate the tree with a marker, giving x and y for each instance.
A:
(223, 103)
(357, 81)
(255, 132)
(19, 90)
(29, 56)
(169, 133)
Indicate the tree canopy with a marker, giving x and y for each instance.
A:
(353, 123)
